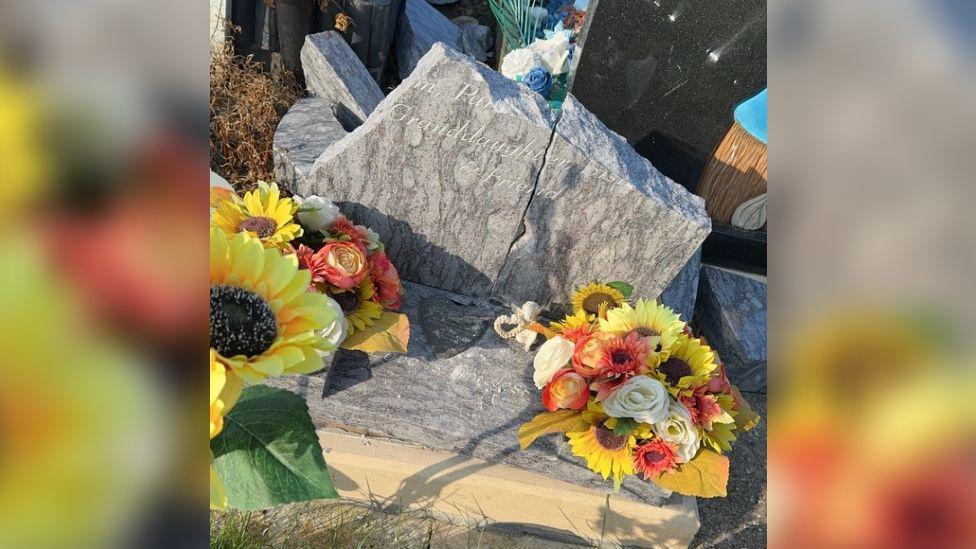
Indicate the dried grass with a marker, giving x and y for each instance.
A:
(246, 104)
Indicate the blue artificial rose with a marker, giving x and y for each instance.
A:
(538, 80)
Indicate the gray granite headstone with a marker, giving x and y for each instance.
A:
(682, 291)
(600, 211)
(421, 26)
(443, 170)
(731, 315)
(475, 38)
(470, 403)
(302, 136)
(335, 75)
(476, 189)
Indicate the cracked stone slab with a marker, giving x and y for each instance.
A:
(302, 136)
(335, 74)
(731, 315)
(682, 291)
(443, 170)
(600, 211)
(421, 26)
(470, 403)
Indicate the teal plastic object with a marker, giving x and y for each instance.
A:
(751, 115)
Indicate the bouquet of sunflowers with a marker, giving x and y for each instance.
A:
(636, 392)
(347, 262)
(282, 291)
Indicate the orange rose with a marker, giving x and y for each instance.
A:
(566, 390)
(589, 353)
(344, 264)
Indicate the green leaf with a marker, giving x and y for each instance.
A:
(704, 476)
(622, 287)
(624, 426)
(561, 421)
(268, 453)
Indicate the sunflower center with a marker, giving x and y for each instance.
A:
(608, 440)
(348, 301)
(262, 226)
(241, 322)
(644, 331)
(592, 302)
(674, 369)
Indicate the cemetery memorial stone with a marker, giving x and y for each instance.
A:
(682, 291)
(336, 76)
(302, 136)
(421, 26)
(478, 190)
(731, 315)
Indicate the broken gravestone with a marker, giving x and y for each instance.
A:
(477, 189)
(421, 26)
(303, 134)
(731, 315)
(335, 75)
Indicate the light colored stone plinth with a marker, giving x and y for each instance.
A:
(472, 492)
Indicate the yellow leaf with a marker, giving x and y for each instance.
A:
(560, 421)
(391, 334)
(746, 419)
(704, 476)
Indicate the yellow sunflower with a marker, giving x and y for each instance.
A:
(360, 306)
(606, 453)
(659, 324)
(689, 365)
(262, 213)
(575, 325)
(263, 322)
(595, 299)
(225, 387)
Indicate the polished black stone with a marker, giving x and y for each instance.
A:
(666, 74)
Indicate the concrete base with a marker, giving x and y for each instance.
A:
(470, 492)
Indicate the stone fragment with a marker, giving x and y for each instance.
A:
(450, 327)
(475, 38)
(731, 315)
(421, 26)
(682, 291)
(600, 211)
(471, 403)
(335, 75)
(302, 136)
(441, 2)
(443, 170)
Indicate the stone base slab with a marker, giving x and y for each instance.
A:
(464, 490)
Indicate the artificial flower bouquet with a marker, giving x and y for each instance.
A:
(347, 262)
(289, 279)
(544, 42)
(636, 392)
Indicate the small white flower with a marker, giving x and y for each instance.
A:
(554, 52)
(679, 429)
(642, 398)
(550, 358)
(336, 332)
(372, 239)
(519, 62)
(318, 212)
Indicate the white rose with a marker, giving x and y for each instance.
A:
(318, 212)
(679, 429)
(550, 358)
(554, 52)
(336, 332)
(519, 62)
(643, 398)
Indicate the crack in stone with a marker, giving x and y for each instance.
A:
(525, 211)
